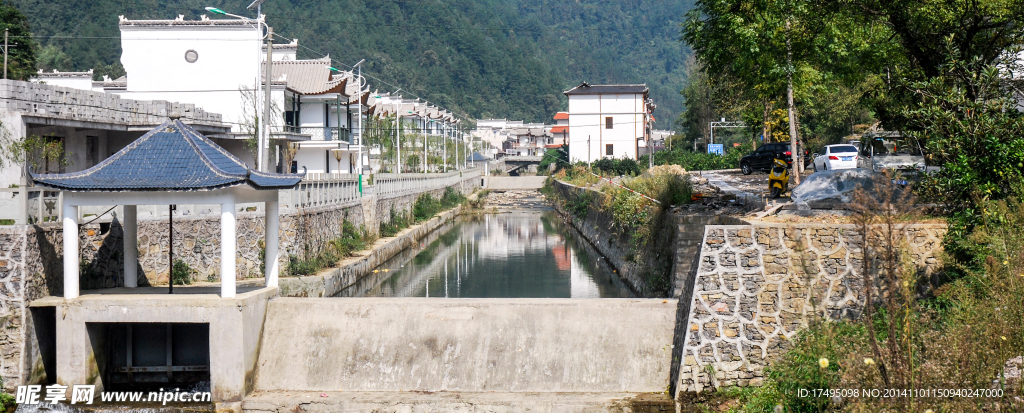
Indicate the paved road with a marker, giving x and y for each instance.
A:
(754, 185)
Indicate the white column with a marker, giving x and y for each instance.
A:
(227, 249)
(131, 246)
(271, 238)
(70, 251)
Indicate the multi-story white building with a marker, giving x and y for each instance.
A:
(607, 121)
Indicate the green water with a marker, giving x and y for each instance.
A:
(525, 253)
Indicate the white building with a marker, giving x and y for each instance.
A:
(75, 80)
(607, 121)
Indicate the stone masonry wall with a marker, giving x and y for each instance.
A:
(31, 265)
(756, 286)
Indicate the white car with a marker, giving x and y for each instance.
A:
(836, 157)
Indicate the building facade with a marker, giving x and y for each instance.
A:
(607, 121)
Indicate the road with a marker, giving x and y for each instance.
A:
(733, 181)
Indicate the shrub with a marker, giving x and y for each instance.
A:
(610, 166)
(181, 273)
(396, 222)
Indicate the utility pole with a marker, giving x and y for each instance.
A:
(5, 53)
(424, 141)
(265, 139)
(789, 102)
(398, 139)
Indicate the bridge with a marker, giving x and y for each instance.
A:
(516, 163)
(510, 183)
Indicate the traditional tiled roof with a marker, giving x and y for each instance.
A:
(307, 77)
(588, 89)
(562, 116)
(559, 129)
(171, 157)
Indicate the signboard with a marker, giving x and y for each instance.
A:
(716, 148)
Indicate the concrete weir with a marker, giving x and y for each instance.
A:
(380, 352)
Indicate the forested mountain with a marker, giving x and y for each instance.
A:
(482, 58)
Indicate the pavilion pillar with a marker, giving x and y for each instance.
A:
(70, 250)
(227, 249)
(273, 225)
(131, 246)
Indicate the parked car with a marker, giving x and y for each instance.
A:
(894, 153)
(834, 157)
(761, 159)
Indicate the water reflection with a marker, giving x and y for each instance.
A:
(517, 254)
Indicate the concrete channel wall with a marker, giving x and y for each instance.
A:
(31, 264)
(756, 286)
(331, 281)
(466, 345)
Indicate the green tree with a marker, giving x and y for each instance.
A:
(21, 59)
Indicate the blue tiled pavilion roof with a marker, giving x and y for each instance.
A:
(171, 157)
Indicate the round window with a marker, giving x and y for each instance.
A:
(191, 56)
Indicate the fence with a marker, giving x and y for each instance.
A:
(398, 184)
(42, 205)
(326, 189)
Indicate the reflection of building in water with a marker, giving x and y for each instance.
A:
(506, 255)
(581, 285)
(506, 235)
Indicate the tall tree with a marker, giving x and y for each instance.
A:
(21, 57)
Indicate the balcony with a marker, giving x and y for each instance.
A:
(321, 133)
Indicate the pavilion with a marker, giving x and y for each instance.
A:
(171, 164)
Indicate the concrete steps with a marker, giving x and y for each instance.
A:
(281, 401)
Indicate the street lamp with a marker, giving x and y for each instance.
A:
(359, 111)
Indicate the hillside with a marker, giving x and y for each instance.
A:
(484, 58)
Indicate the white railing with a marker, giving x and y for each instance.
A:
(320, 133)
(41, 205)
(30, 205)
(325, 189)
(400, 184)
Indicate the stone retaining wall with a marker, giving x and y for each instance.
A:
(596, 228)
(756, 286)
(31, 265)
(331, 281)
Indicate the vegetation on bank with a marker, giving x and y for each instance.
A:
(352, 239)
(700, 161)
(644, 221)
(917, 68)
(425, 207)
(922, 332)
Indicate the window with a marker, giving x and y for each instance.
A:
(608, 149)
(608, 122)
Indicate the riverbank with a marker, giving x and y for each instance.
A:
(330, 281)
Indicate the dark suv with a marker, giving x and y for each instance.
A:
(762, 158)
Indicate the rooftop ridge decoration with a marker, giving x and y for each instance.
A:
(171, 157)
(180, 21)
(56, 73)
(588, 89)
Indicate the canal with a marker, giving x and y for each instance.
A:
(518, 253)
